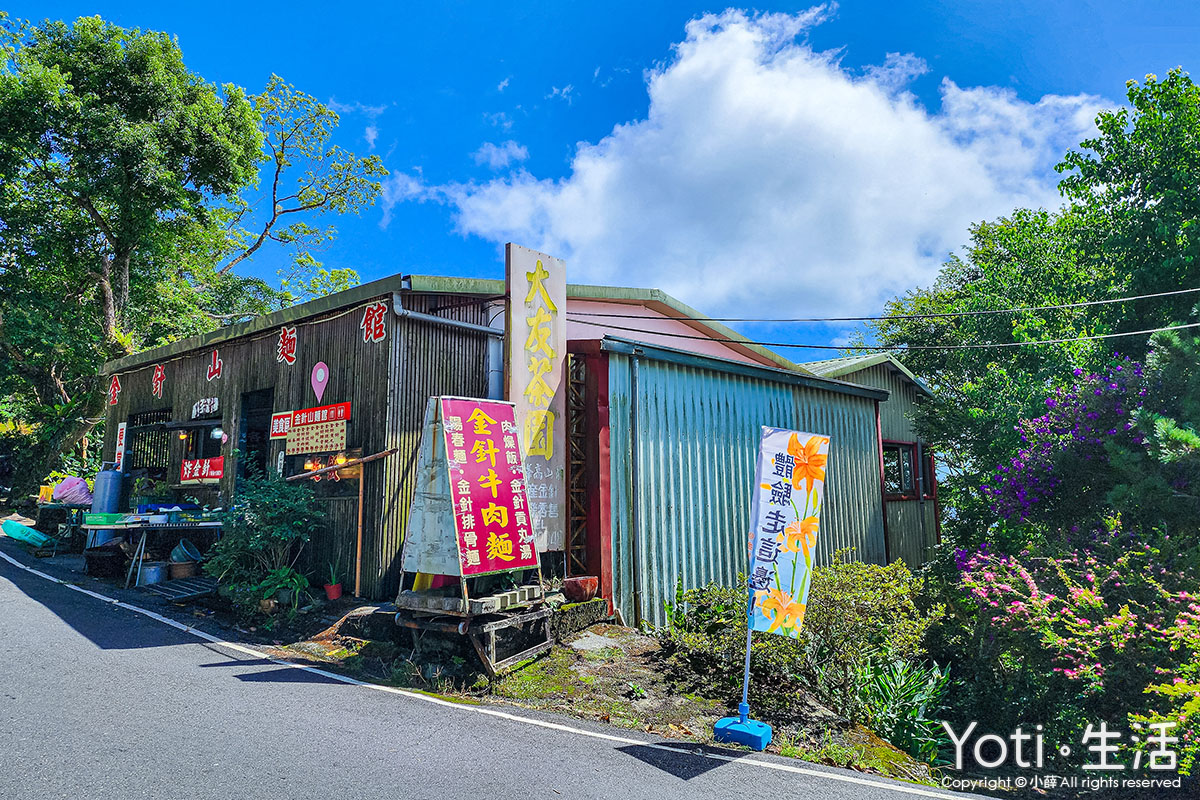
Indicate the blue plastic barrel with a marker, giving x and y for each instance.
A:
(106, 499)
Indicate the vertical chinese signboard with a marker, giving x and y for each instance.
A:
(119, 453)
(536, 285)
(491, 510)
(788, 496)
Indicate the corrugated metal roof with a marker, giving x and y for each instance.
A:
(436, 284)
(847, 365)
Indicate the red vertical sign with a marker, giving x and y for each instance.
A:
(487, 486)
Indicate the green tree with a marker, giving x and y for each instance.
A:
(123, 186)
(1031, 258)
(1131, 227)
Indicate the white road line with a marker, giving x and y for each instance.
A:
(491, 712)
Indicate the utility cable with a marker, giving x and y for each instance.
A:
(941, 315)
(882, 348)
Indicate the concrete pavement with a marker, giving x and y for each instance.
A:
(97, 701)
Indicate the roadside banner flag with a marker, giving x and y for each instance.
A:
(785, 517)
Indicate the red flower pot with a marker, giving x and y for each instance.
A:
(333, 590)
(582, 588)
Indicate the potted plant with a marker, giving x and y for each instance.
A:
(285, 586)
(333, 589)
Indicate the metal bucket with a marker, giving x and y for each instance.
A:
(152, 572)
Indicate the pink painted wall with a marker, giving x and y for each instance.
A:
(654, 323)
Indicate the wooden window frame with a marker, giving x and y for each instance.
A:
(924, 478)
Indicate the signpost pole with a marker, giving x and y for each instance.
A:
(744, 706)
(362, 474)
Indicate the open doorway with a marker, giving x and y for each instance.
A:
(254, 431)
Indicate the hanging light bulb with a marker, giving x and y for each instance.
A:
(182, 436)
(340, 459)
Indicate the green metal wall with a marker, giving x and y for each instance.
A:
(911, 524)
(896, 414)
(696, 444)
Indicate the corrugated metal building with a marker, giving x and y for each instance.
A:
(663, 427)
(679, 436)
(911, 514)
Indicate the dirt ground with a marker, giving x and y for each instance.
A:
(606, 673)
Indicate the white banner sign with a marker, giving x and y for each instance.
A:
(119, 455)
(786, 513)
(536, 286)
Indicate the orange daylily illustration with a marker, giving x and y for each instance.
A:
(799, 536)
(810, 464)
(781, 609)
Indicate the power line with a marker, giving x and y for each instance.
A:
(897, 348)
(942, 315)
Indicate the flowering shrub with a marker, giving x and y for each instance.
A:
(1097, 617)
(1118, 618)
(1070, 442)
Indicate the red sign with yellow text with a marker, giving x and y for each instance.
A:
(487, 486)
(313, 416)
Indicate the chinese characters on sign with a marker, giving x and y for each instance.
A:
(114, 389)
(315, 430)
(487, 491)
(202, 470)
(119, 458)
(215, 366)
(281, 423)
(318, 437)
(788, 495)
(208, 405)
(373, 322)
(285, 350)
(536, 359)
(156, 383)
(309, 416)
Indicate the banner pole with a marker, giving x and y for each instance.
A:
(744, 706)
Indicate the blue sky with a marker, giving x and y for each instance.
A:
(776, 161)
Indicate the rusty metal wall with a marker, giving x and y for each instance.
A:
(427, 360)
(681, 488)
(385, 382)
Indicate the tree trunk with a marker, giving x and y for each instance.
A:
(70, 431)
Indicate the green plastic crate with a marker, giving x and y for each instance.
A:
(102, 519)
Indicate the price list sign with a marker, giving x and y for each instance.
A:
(487, 487)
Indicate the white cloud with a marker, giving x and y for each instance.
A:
(562, 93)
(370, 112)
(768, 180)
(501, 155)
(400, 187)
(897, 71)
(371, 134)
(500, 120)
(502, 85)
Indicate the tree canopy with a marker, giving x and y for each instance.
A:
(126, 198)
(1131, 226)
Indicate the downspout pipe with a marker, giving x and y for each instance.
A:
(495, 344)
(417, 316)
(635, 521)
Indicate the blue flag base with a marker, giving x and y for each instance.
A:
(743, 730)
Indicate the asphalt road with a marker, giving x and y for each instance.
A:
(97, 701)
